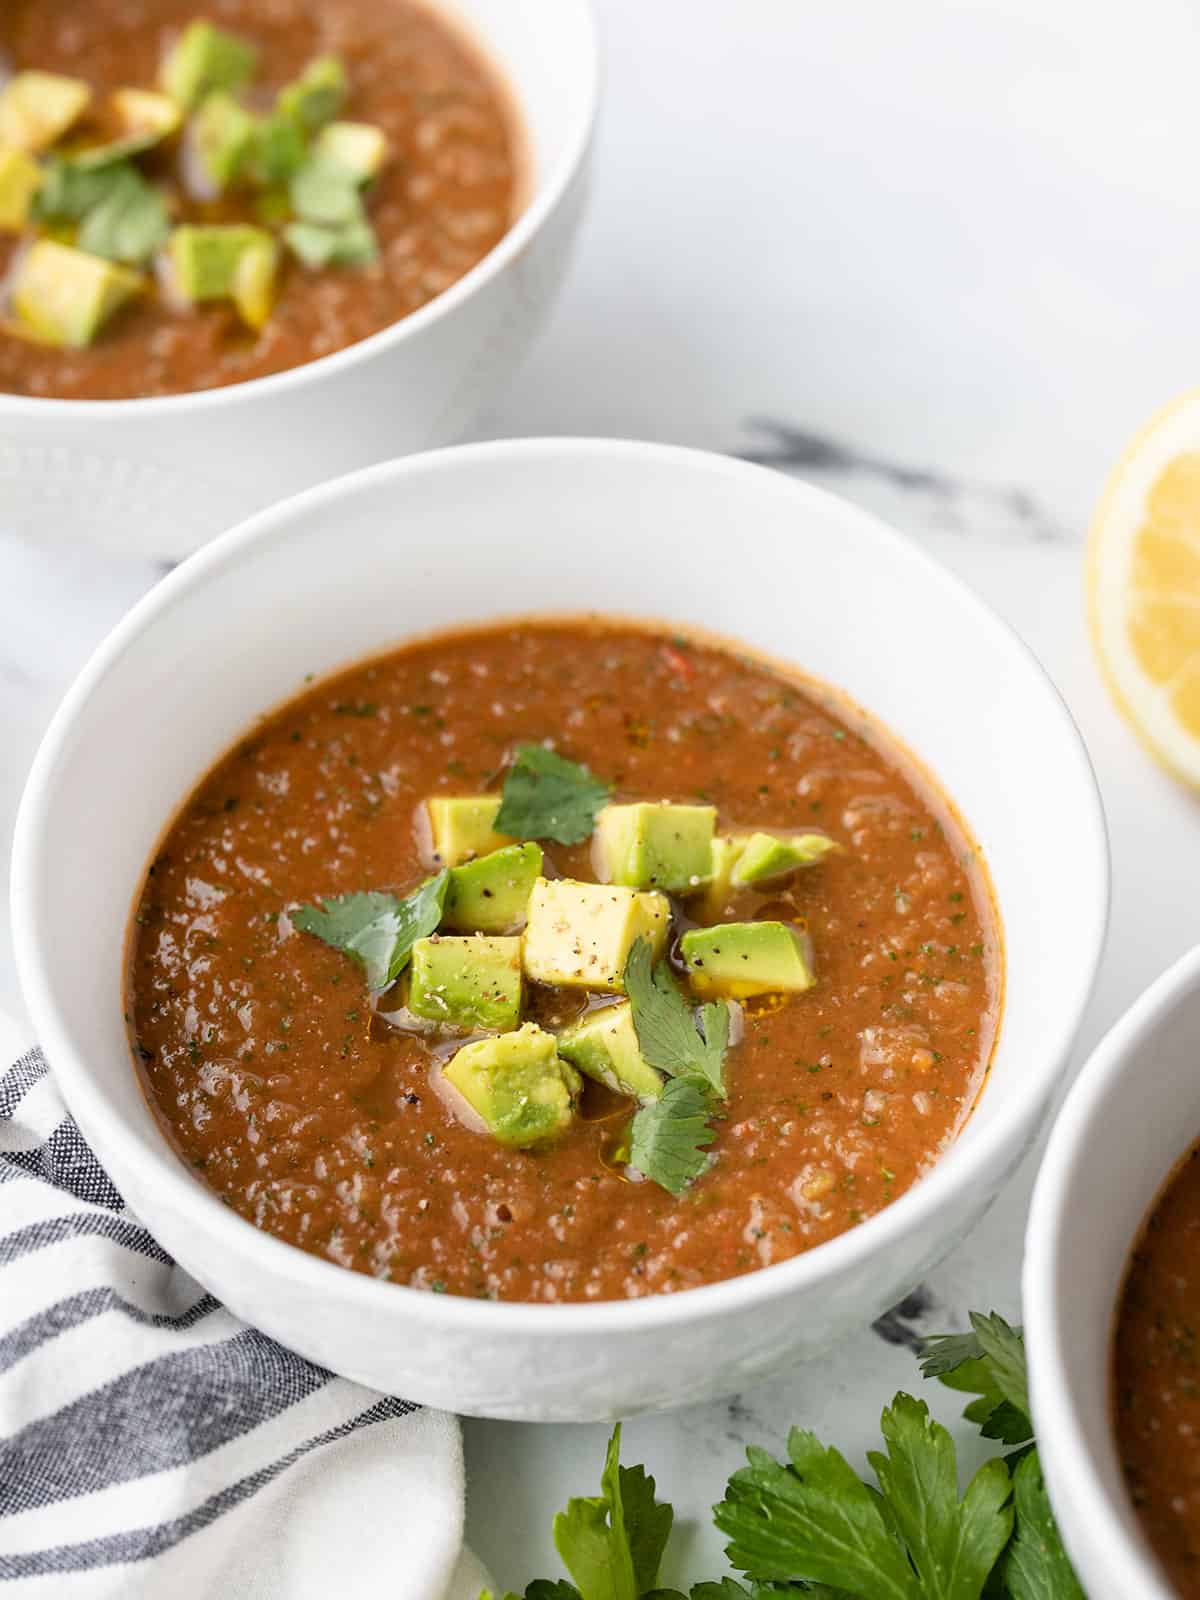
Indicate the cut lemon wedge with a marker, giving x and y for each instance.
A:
(1143, 583)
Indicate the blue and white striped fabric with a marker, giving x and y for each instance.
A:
(153, 1445)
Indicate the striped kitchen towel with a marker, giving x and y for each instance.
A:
(153, 1445)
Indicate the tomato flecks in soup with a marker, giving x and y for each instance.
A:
(443, 199)
(319, 1121)
(1157, 1377)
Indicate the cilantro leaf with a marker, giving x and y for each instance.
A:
(352, 244)
(668, 1137)
(323, 191)
(377, 929)
(813, 1519)
(953, 1545)
(1036, 1567)
(612, 1543)
(665, 1027)
(69, 189)
(548, 797)
(128, 224)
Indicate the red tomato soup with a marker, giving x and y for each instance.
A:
(388, 1015)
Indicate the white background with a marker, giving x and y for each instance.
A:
(948, 238)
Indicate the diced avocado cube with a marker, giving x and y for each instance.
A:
(253, 288)
(37, 108)
(604, 1045)
(726, 850)
(65, 296)
(740, 959)
(359, 147)
(491, 893)
(205, 256)
(649, 846)
(316, 96)
(462, 826)
(139, 119)
(206, 57)
(765, 856)
(467, 983)
(224, 135)
(579, 935)
(518, 1084)
(20, 179)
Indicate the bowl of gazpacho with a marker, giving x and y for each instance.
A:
(558, 927)
(1112, 1302)
(243, 251)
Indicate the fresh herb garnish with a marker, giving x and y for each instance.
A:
(70, 189)
(668, 1137)
(377, 929)
(128, 224)
(548, 797)
(810, 1527)
(989, 1363)
(666, 1029)
(352, 244)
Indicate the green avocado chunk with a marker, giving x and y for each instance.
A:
(65, 296)
(766, 856)
(604, 1045)
(204, 58)
(463, 827)
(205, 256)
(655, 846)
(37, 108)
(20, 180)
(740, 959)
(225, 135)
(579, 935)
(359, 147)
(491, 893)
(518, 1084)
(466, 983)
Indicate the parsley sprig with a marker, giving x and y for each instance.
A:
(669, 1136)
(548, 797)
(810, 1526)
(377, 929)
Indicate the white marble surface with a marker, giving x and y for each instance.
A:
(952, 247)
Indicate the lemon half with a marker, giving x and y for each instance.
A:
(1143, 585)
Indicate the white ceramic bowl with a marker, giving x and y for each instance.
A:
(161, 476)
(554, 526)
(1131, 1114)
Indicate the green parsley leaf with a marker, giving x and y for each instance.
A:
(612, 1543)
(668, 1137)
(377, 929)
(813, 1519)
(995, 1416)
(1037, 1567)
(549, 797)
(353, 244)
(666, 1029)
(323, 191)
(128, 224)
(993, 1355)
(953, 1545)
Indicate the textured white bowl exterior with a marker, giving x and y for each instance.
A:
(486, 531)
(1132, 1113)
(161, 476)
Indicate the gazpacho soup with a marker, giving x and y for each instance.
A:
(190, 201)
(563, 960)
(1157, 1377)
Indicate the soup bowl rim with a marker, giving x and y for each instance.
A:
(547, 194)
